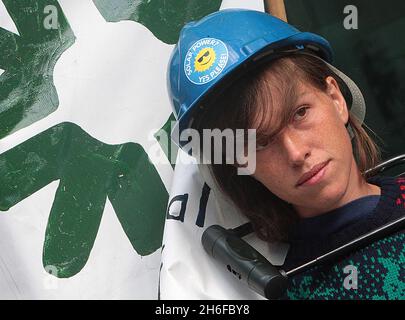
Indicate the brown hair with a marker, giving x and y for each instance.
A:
(245, 103)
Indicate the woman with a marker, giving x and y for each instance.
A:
(240, 69)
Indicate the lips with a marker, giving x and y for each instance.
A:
(308, 175)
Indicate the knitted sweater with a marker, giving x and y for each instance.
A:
(378, 268)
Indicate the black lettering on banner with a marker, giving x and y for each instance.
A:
(183, 198)
(203, 205)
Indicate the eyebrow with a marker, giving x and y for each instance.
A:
(304, 94)
(294, 98)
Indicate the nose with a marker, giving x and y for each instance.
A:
(294, 147)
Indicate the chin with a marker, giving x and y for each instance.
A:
(332, 194)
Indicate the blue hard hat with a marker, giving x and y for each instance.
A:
(226, 43)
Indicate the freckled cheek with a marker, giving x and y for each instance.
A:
(331, 136)
(342, 142)
(277, 185)
(269, 175)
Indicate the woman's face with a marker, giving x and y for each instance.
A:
(315, 141)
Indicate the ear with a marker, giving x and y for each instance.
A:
(338, 99)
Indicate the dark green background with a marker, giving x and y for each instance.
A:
(373, 56)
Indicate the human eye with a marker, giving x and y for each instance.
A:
(301, 113)
(264, 143)
(260, 147)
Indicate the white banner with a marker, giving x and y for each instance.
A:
(188, 272)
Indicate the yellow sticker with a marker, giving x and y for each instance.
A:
(204, 59)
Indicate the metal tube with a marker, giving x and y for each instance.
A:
(349, 247)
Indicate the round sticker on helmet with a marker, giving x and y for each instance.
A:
(205, 60)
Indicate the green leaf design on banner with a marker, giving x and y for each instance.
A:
(89, 171)
(166, 143)
(163, 18)
(27, 92)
